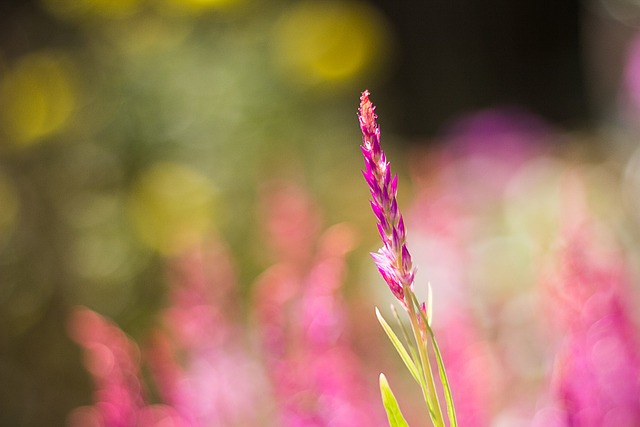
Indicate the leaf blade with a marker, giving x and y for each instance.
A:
(405, 334)
(394, 415)
(404, 355)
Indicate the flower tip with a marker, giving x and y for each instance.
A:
(367, 115)
(365, 104)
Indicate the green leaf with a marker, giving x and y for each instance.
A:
(396, 419)
(416, 357)
(408, 361)
(405, 334)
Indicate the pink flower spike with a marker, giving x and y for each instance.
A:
(393, 259)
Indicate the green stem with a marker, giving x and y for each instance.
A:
(428, 387)
(441, 369)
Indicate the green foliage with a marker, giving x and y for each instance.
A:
(451, 412)
(396, 419)
(404, 355)
(416, 359)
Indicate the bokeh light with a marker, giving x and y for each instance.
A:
(172, 207)
(37, 97)
(320, 43)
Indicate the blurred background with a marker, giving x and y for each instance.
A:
(172, 173)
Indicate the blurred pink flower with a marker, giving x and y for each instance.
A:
(291, 221)
(301, 317)
(200, 361)
(596, 375)
(442, 232)
(113, 361)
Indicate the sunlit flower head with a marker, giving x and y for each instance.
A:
(393, 258)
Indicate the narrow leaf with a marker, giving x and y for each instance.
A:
(394, 415)
(405, 334)
(416, 357)
(408, 361)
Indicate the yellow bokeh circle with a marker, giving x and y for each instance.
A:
(37, 97)
(319, 42)
(172, 207)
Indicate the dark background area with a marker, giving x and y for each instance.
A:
(449, 57)
(458, 56)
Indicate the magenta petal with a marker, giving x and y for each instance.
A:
(396, 238)
(392, 282)
(401, 229)
(393, 188)
(383, 233)
(377, 211)
(406, 258)
(387, 178)
(393, 210)
(371, 180)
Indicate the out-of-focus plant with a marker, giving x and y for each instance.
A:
(595, 380)
(199, 359)
(113, 361)
(202, 369)
(302, 318)
(394, 264)
(117, 119)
